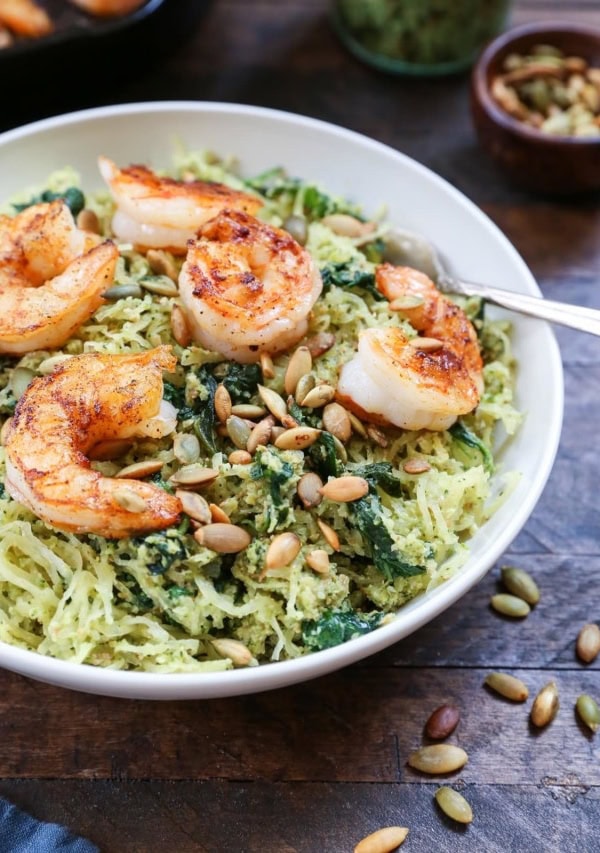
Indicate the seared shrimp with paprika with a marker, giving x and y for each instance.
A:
(247, 287)
(52, 277)
(60, 417)
(424, 382)
(161, 213)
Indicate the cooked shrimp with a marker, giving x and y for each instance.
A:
(161, 213)
(25, 18)
(108, 8)
(58, 419)
(247, 287)
(393, 380)
(48, 288)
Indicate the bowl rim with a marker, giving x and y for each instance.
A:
(495, 112)
(199, 685)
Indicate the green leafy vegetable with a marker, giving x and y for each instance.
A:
(276, 478)
(204, 412)
(323, 457)
(367, 516)
(349, 274)
(160, 550)
(380, 474)
(336, 627)
(2, 491)
(469, 441)
(139, 599)
(174, 592)
(273, 182)
(157, 480)
(241, 381)
(72, 197)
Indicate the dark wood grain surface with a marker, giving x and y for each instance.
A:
(313, 768)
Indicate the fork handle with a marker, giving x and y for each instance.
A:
(574, 316)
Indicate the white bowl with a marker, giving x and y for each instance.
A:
(350, 165)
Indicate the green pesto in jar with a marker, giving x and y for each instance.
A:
(419, 36)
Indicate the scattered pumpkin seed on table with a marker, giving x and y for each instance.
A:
(510, 605)
(454, 805)
(588, 711)
(545, 705)
(508, 686)
(383, 840)
(520, 583)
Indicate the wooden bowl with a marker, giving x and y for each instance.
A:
(557, 165)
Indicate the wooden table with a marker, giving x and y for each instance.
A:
(314, 768)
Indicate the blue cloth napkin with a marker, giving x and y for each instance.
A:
(21, 833)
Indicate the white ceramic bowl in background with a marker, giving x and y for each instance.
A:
(346, 164)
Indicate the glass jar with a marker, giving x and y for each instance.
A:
(420, 37)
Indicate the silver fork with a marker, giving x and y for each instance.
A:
(403, 247)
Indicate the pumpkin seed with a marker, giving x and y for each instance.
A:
(20, 380)
(329, 534)
(508, 686)
(261, 434)
(162, 263)
(239, 457)
(161, 285)
(383, 841)
(337, 421)
(218, 515)
(308, 490)
(588, 643)
(426, 344)
(319, 396)
(320, 343)
(238, 431)
(223, 406)
(223, 538)
(347, 226)
(276, 431)
(179, 327)
(454, 805)
(130, 500)
(297, 227)
(545, 705)
(248, 411)
(416, 466)
(345, 489)
(186, 448)
(442, 722)
(282, 551)
(318, 560)
(88, 221)
(588, 711)
(266, 365)
(194, 505)
(299, 364)
(274, 403)
(437, 759)
(377, 436)
(110, 449)
(406, 302)
(357, 425)
(510, 605)
(139, 470)
(238, 653)
(304, 386)
(297, 438)
(49, 365)
(521, 584)
(123, 291)
(194, 475)
(340, 449)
